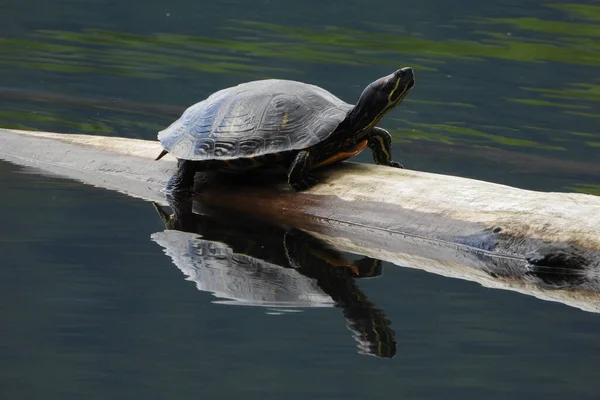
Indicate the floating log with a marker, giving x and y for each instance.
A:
(499, 236)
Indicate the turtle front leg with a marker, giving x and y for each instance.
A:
(182, 181)
(380, 142)
(299, 176)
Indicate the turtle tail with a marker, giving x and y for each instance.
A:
(161, 155)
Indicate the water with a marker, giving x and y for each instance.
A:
(507, 91)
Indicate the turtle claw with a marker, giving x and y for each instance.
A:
(396, 164)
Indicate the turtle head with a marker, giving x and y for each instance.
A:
(380, 97)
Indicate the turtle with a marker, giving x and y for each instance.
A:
(281, 123)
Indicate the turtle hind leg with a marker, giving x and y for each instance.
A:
(380, 142)
(299, 176)
(182, 181)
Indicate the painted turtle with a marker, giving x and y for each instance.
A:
(285, 123)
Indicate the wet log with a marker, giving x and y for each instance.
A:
(500, 236)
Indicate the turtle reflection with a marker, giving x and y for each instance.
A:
(252, 263)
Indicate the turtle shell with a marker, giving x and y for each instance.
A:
(254, 118)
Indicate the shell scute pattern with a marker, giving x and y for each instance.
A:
(288, 117)
(237, 118)
(199, 119)
(225, 149)
(276, 143)
(254, 119)
(204, 147)
(249, 146)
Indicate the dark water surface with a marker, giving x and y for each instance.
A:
(91, 306)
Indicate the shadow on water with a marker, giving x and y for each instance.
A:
(253, 263)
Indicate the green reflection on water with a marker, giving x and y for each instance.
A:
(582, 11)
(582, 114)
(109, 126)
(125, 54)
(163, 55)
(554, 27)
(585, 94)
(534, 102)
(562, 132)
(454, 129)
(404, 135)
(440, 103)
(10, 119)
(576, 91)
(154, 56)
(586, 188)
